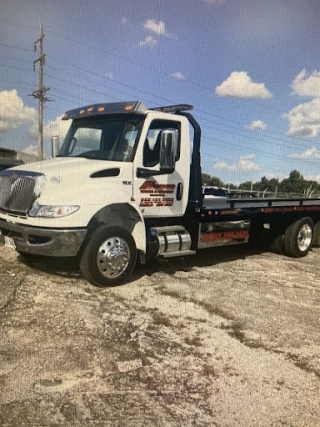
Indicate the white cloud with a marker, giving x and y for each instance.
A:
(31, 149)
(304, 120)
(13, 112)
(304, 85)
(124, 20)
(256, 124)
(178, 76)
(148, 41)
(240, 85)
(311, 153)
(56, 127)
(280, 177)
(52, 128)
(157, 27)
(245, 163)
(109, 75)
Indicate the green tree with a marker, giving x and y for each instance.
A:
(268, 184)
(273, 184)
(231, 186)
(295, 183)
(249, 186)
(212, 180)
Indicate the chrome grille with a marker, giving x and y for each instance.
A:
(16, 192)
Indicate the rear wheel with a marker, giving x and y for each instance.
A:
(298, 238)
(109, 257)
(277, 245)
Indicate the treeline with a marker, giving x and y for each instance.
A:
(294, 185)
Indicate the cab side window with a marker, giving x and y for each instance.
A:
(151, 148)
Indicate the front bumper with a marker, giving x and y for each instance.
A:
(43, 241)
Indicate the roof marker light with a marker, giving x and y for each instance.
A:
(107, 108)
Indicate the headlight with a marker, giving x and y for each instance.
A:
(51, 211)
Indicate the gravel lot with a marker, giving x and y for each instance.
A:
(229, 337)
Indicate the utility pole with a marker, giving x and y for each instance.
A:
(40, 93)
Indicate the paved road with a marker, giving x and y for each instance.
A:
(229, 337)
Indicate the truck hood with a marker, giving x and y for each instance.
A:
(90, 184)
(63, 169)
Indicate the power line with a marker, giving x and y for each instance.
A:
(247, 137)
(150, 68)
(188, 82)
(167, 100)
(213, 121)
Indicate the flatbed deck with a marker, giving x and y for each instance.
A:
(215, 208)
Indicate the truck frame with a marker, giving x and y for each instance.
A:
(127, 185)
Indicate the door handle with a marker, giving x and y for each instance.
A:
(179, 193)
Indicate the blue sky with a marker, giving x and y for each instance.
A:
(251, 68)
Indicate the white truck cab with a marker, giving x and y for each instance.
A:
(119, 165)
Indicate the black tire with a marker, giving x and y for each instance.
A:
(277, 246)
(298, 238)
(316, 237)
(109, 257)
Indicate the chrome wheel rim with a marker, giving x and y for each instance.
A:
(304, 237)
(113, 257)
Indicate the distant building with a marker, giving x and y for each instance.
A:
(5, 153)
(10, 158)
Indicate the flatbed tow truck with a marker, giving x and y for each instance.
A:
(127, 184)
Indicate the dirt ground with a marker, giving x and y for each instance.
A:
(229, 337)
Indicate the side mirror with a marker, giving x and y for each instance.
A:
(168, 149)
(55, 145)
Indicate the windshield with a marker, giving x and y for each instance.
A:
(106, 139)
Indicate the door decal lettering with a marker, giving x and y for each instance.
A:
(157, 194)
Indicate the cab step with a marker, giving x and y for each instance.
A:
(177, 253)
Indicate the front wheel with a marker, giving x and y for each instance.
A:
(109, 257)
(298, 238)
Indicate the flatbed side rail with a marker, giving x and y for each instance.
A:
(272, 202)
(229, 209)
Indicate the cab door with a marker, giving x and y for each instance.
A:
(164, 195)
